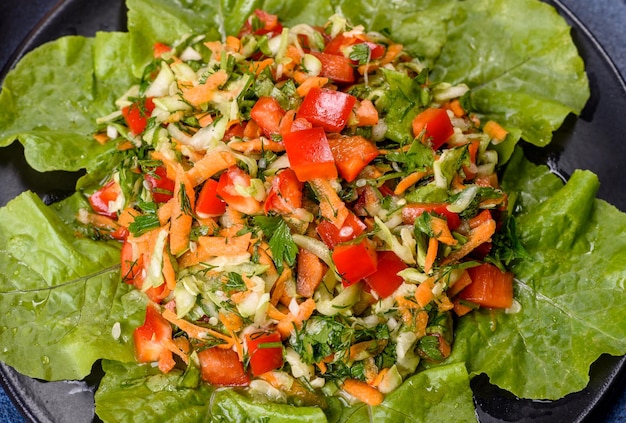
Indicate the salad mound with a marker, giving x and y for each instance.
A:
(305, 217)
(305, 210)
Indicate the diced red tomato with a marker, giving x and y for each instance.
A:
(385, 280)
(101, 199)
(332, 236)
(410, 212)
(490, 287)
(159, 49)
(221, 367)
(285, 195)
(150, 336)
(309, 154)
(161, 186)
(336, 68)
(208, 203)
(352, 154)
(340, 44)
(265, 350)
(436, 124)
(235, 130)
(226, 189)
(136, 115)
(329, 109)
(267, 113)
(260, 23)
(355, 261)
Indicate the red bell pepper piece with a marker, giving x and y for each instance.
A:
(100, 199)
(221, 367)
(309, 154)
(352, 154)
(208, 203)
(265, 350)
(149, 338)
(490, 287)
(285, 195)
(332, 236)
(226, 189)
(159, 49)
(410, 212)
(261, 23)
(436, 124)
(385, 280)
(132, 272)
(161, 186)
(136, 115)
(329, 109)
(267, 113)
(336, 68)
(355, 261)
(340, 44)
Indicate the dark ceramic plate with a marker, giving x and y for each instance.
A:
(592, 141)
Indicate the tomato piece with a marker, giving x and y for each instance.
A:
(329, 109)
(227, 190)
(236, 130)
(267, 113)
(332, 236)
(336, 68)
(260, 23)
(265, 350)
(101, 200)
(285, 195)
(355, 261)
(309, 154)
(160, 185)
(150, 336)
(385, 280)
(221, 367)
(136, 115)
(352, 154)
(338, 44)
(436, 124)
(208, 203)
(490, 287)
(159, 49)
(410, 212)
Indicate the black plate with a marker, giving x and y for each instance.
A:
(593, 141)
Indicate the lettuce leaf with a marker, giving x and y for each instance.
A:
(571, 292)
(64, 294)
(142, 393)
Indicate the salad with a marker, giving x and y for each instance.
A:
(302, 212)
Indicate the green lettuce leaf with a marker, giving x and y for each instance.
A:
(142, 393)
(571, 292)
(64, 293)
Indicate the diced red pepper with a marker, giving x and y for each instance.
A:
(470, 171)
(265, 350)
(340, 44)
(235, 130)
(410, 212)
(329, 109)
(208, 203)
(285, 195)
(136, 115)
(332, 236)
(355, 261)
(385, 280)
(490, 287)
(309, 154)
(267, 113)
(159, 49)
(266, 23)
(336, 68)
(101, 199)
(352, 154)
(149, 338)
(227, 190)
(131, 269)
(436, 124)
(161, 186)
(221, 367)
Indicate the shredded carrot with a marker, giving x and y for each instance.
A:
(421, 322)
(311, 82)
(459, 284)
(176, 349)
(431, 254)
(274, 313)
(170, 165)
(195, 331)
(441, 231)
(127, 216)
(169, 274)
(424, 292)
(366, 113)
(457, 109)
(214, 246)
(477, 236)
(408, 181)
(203, 93)
(125, 145)
(311, 271)
(444, 304)
(204, 119)
(233, 43)
(392, 52)
(379, 377)
(259, 66)
(101, 137)
(495, 131)
(322, 366)
(331, 206)
(164, 212)
(460, 309)
(166, 361)
(363, 392)
(257, 145)
(181, 220)
(279, 286)
(212, 163)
